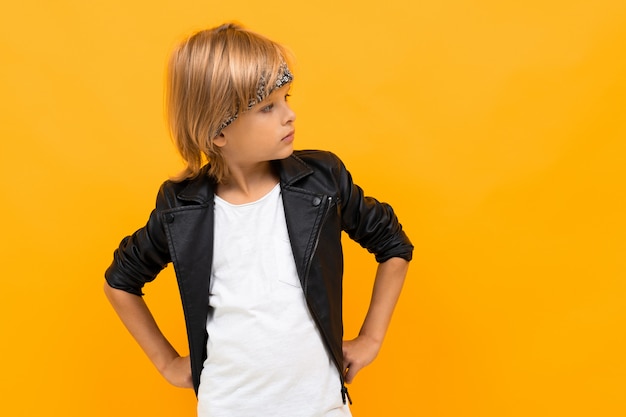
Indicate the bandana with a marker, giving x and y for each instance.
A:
(284, 77)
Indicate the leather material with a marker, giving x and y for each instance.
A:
(320, 202)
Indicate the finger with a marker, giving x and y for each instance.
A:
(345, 348)
(346, 358)
(350, 374)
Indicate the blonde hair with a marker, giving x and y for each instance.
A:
(213, 76)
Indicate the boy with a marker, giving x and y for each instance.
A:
(255, 239)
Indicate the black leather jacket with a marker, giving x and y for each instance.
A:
(320, 201)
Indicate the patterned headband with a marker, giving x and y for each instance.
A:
(284, 77)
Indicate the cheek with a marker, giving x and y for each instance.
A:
(263, 129)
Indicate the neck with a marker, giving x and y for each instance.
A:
(247, 184)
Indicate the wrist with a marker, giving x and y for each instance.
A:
(163, 362)
(372, 339)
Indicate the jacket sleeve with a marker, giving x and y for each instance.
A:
(142, 255)
(371, 223)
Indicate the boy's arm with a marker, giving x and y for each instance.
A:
(139, 321)
(360, 352)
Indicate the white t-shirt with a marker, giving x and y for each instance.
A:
(266, 356)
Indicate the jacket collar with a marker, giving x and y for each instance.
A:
(292, 169)
(201, 189)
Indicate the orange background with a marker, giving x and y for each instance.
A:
(496, 129)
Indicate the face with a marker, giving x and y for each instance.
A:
(261, 134)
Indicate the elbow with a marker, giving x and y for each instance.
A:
(108, 290)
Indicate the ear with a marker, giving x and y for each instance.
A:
(219, 140)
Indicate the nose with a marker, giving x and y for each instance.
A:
(290, 115)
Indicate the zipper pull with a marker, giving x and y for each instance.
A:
(344, 394)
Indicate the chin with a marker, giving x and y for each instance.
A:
(285, 153)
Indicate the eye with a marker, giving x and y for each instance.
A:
(287, 97)
(268, 108)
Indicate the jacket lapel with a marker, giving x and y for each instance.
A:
(303, 213)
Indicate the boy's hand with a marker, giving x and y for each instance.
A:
(178, 372)
(357, 354)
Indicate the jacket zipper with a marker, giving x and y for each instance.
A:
(344, 389)
(345, 393)
(317, 241)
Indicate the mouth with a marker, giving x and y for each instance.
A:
(289, 137)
